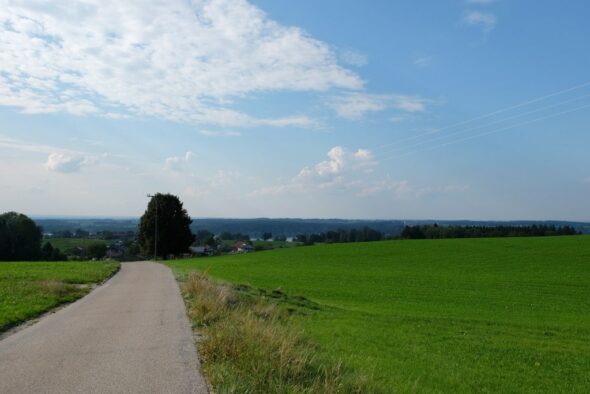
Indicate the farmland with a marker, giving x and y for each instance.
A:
(509, 314)
(69, 243)
(27, 289)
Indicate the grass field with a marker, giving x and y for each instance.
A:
(68, 243)
(486, 315)
(27, 289)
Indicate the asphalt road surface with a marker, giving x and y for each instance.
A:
(130, 335)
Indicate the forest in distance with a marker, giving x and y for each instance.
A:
(281, 227)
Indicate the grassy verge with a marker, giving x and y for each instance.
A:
(28, 289)
(249, 346)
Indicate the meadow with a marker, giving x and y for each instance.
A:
(453, 315)
(28, 289)
(68, 243)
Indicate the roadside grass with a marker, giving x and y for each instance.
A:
(28, 289)
(455, 315)
(248, 345)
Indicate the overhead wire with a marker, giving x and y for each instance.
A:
(488, 115)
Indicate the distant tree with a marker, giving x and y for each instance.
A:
(47, 251)
(79, 233)
(107, 235)
(20, 237)
(226, 236)
(267, 236)
(64, 234)
(173, 224)
(202, 235)
(57, 255)
(96, 250)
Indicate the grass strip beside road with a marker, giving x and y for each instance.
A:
(29, 289)
(249, 346)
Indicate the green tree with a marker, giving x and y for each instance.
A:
(96, 250)
(47, 251)
(267, 236)
(20, 237)
(166, 213)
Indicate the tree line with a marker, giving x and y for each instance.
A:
(365, 234)
(435, 231)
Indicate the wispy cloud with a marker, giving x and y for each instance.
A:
(218, 133)
(177, 60)
(484, 20)
(480, 2)
(178, 163)
(24, 146)
(423, 61)
(353, 57)
(355, 105)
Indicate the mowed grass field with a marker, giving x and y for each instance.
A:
(68, 243)
(27, 289)
(455, 315)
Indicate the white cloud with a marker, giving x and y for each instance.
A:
(172, 59)
(409, 103)
(223, 133)
(353, 58)
(481, 2)
(65, 163)
(484, 20)
(355, 105)
(340, 160)
(178, 163)
(398, 188)
(403, 189)
(422, 61)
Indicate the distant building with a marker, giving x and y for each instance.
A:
(201, 251)
(243, 247)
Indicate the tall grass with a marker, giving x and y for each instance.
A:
(248, 345)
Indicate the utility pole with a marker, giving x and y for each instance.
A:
(156, 227)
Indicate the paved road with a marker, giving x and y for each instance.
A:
(130, 335)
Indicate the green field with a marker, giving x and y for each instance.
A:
(486, 315)
(27, 289)
(68, 243)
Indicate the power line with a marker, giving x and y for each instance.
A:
(485, 116)
(442, 137)
(487, 133)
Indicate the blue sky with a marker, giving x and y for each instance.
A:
(475, 109)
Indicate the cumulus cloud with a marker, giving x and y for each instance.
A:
(356, 105)
(172, 59)
(66, 163)
(484, 20)
(340, 160)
